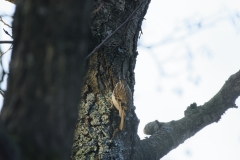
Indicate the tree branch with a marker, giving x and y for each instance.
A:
(172, 134)
(6, 42)
(11, 1)
(4, 22)
(6, 32)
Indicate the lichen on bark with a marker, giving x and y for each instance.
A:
(97, 134)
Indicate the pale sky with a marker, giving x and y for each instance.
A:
(185, 64)
(189, 64)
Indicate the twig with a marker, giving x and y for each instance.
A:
(2, 93)
(4, 22)
(6, 42)
(2, 76)
(98, 9)
(12, 1)
(3, 73)
(7, 50)
(110, 35)
(7, 33)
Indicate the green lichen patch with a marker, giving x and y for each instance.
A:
(92, 136)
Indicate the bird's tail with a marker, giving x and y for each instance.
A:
(122, 120)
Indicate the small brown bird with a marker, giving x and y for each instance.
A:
(122, 99)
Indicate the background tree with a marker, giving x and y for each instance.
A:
(97, 135)
(44, 83)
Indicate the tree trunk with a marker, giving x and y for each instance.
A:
(44, 84)
(97, 135)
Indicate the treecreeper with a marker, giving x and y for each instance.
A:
(122, 99)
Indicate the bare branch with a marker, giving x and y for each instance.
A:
(11, 1)
(170, 135)
(2, 53)
(1, 42)
(2, 93)
(7, 33)
(4, 22)
(98, 9)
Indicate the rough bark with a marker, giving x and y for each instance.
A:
(46, 70)
(97, 134)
